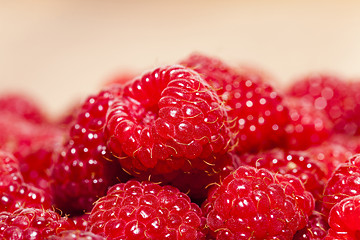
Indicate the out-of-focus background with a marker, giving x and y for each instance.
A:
(61, 51)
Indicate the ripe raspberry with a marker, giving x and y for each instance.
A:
(316, 228)
(22, 106)
(30, 223)
(79, 222)
(332, 235)
(330, 153)
(144, 210)
(332, 95)
(85, 169)
(15, 193)
(298, 163)
(308, 126)
(344, 217)
(255, 108)
(167, 122)
(75, 235)
(257, 204)
(345, 182)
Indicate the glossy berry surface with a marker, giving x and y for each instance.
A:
(30, 224)
(345, 182)
(75, 235)
(332, 95)
(298, 163)
(255, 108)
(84, 168)
(168, 121)
(344, 217)
(14, 192)
(144, 210)
(257, 204)
(316, 228)
(307, 127)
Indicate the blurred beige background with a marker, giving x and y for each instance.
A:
(61, 51)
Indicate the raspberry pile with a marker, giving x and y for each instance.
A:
(195, 150)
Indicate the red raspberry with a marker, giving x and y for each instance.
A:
(30, 223)
(167, 122)
(256, 110)
(308, 126)
(80, 222)
(75, 235)
(316, 228)
(15, 193)
(331, 154)
(332, 95)
(298, 163)
(257, 204)
(344, 217)
(345, 182)
(22, 106)
(84, 169)
(332, 235)
(144, 210)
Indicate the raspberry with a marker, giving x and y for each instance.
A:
(144, 210)
(256, 110)
(308, 126)
(316, 228)
(85, 169)
(331, 154)
(332, 95)
(80, 222)
(298, 163)
(167, 122)
(22, 106)
(344, 217)
(30, 223)
(345, 182)
(332, 235)
(75, 235)
(15, 193)
(257, 204)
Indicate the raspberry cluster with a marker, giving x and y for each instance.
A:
(196, 150)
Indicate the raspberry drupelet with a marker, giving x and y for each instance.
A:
(257, 204)
(144, 210)
(344, 218)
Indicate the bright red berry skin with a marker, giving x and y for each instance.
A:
(316, 228)
(344, 182)
(75, 235)
(84, 168)
(14, 192)
(169, 122)
(331, 153)
(344, 217)
(298, 163)
(257, 204)
(332, 235)
(307, 127)
(332, 95)
(255, 108)
(30, 224)
(145, 210)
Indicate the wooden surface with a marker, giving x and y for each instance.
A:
(59, 51)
